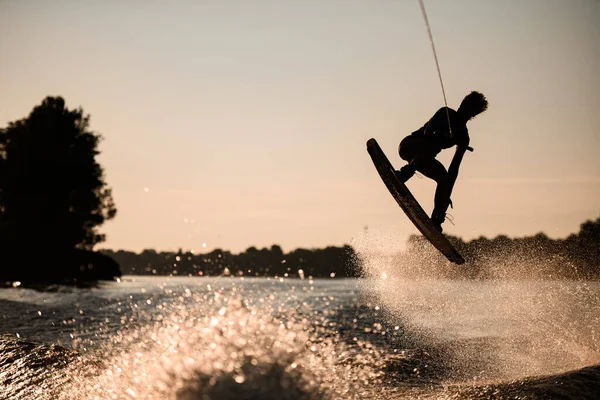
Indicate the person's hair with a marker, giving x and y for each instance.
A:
(472, 105)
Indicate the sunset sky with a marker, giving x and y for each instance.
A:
(232, 124)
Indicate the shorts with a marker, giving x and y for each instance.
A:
(413, 146)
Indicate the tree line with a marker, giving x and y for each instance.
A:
(328, 262)
(531, 257)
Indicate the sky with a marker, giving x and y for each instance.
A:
(233, 123)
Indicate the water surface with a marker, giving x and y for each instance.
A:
(238, 337)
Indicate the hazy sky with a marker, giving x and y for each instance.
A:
(239, 123)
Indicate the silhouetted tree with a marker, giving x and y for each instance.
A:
(52, 190)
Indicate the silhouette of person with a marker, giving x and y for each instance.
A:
(445, 129)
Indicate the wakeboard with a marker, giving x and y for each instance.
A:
(409, 204)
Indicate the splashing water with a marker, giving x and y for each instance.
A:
(236, 352)
(488, 330)
(216, 344)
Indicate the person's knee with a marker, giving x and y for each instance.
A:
(441, 177)
(405, 152)
(408, 148)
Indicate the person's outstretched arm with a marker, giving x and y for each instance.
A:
(461, 147)
(453, 169)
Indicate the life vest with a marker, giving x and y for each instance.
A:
(437, 131)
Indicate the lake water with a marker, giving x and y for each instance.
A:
(259, 338)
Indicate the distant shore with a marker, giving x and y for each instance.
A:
(330, 262)
(534, 257)
(576, 257)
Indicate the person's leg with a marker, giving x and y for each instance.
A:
(410, 147)
(433, 169)
(405, 173)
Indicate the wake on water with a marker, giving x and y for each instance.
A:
(496, 330)
(199, 346)
(398, 336)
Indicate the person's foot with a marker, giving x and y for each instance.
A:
(405, 173)
(437, 219)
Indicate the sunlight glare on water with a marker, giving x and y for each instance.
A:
(222, 345)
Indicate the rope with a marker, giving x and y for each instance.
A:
(437, 64)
